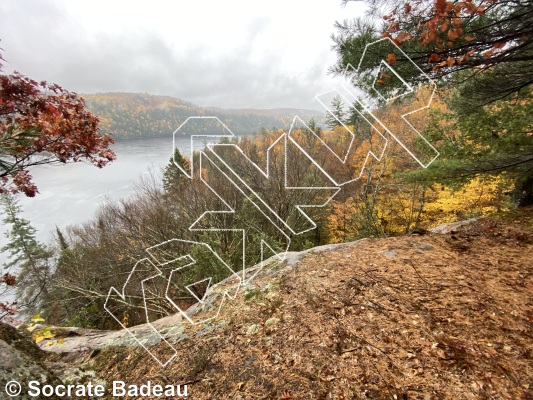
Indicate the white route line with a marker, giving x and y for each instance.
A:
(266, 209)
(431, 84)
(122, 296)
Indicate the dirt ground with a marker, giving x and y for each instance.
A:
(426, 316)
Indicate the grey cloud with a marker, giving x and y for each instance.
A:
(141, 61)
(148, 64)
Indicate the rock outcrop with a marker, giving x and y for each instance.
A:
(21, 361)
(433, 315)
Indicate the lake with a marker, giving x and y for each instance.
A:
(71, 194)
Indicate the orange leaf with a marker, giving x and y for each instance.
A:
(285, 396)
(452, 34)
(444, 26)
(393, 27)
(471, 7)
(391, 58)
(423, 342)
(381, 82)
(432, 23)
(440, 5)
(407, 8)
(450, 61)
(434, 57)
(469, 38)
(431, 36)
(403, 37)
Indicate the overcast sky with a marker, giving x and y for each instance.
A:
(229, 53)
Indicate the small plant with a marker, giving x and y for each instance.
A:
(274, 304)
(200, 362)
(250, 294)
(46, 333)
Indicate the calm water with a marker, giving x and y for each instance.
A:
(70, 194)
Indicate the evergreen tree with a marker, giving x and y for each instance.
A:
(489, 43)
(356, 120)
(312, 124)
(61, 241)
(29, 258)
(335, 117)
(172, 175)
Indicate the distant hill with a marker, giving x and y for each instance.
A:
(129, 115)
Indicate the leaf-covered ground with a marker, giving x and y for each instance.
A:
(431, 316)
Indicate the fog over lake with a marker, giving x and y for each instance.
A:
(71, 194)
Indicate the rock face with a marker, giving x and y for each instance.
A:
(420, 316)
(431, 316)
(21, 361)
(81, 340)
(448, 228)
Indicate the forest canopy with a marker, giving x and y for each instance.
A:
(480, 53)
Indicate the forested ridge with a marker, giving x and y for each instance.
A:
(131, 115)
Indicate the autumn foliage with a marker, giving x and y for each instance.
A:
(41, 123)
(451, 32)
